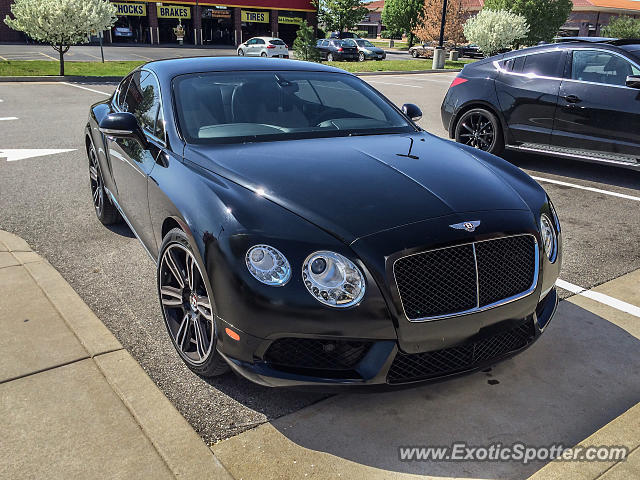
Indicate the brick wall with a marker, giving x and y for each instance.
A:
(7, 34)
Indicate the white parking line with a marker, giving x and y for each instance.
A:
(389, 83)
(8, 118)
(600, 297)
(85, 88)
(590, 189)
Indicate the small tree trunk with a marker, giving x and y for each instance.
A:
(61, 61)
(410, 39)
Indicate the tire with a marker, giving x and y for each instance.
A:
(414, 53)
(263, 54)
(480, 129)
(330, 57)
(361, 57)
(105, 210)
(241, 53)
(187, 309)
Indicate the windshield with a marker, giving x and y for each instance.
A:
(234, 107)
(365, 43)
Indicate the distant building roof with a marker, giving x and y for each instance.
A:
(629, 5)
(376, 6)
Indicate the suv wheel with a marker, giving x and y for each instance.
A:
(481, 129)
(330, 57)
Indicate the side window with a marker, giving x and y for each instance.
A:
(599, 66)
(547, 64)
(325, 43)
(259, 41)
(143, 99)
(159, 131)
(120, 99)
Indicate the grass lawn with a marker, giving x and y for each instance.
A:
(23, 68)
(394, 65)
(385, 44)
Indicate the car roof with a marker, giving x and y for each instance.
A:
(181, 66)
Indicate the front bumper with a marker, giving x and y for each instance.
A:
(382, 364)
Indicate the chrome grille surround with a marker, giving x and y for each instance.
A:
(477, 307)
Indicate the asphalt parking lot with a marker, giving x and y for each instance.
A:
(91, 53)
(45, 199)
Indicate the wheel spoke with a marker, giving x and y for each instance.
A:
(468, 128)
(204, 307)
(93, 172)
(181, 334)
(171, 296)
(173, 267)
(190, 263)
(96, 195)
(199, 338)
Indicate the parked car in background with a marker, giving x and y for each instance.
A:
(123, 32)
(424, 50)
(472, 51)
(264, 47)
(368, 51)
(336, 49)
(578, 100)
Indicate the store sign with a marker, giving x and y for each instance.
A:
(256, 17)
(216, 13)
(130, 9)
(289, 20)
(173, 11)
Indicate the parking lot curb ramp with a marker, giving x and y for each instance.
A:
(73, 402)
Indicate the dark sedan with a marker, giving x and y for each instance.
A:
(334, 49)
(307, 232)
(578, 100)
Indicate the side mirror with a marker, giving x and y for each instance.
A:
(412, 111)
(633, 81)
(123, 125)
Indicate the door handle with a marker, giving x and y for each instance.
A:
(573, 99)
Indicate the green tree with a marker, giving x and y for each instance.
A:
(545, 17)
(304, 45)
(402, 16)
(622, 27)
(340, 15)
(61, 23)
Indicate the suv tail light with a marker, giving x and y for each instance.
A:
(457, 81)
(340, 49)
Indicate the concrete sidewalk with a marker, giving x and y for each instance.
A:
(73, 402)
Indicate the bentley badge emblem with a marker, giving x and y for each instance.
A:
(468, 226)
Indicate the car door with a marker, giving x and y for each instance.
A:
(249, 46)
(598, 114)
(258, 47)
(131, 162)
(527, 87)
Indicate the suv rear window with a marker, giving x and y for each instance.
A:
(547, 64)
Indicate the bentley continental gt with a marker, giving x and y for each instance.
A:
(307, 232)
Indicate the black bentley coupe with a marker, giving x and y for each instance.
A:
(308, 233)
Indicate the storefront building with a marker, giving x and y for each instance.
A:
(199, 22)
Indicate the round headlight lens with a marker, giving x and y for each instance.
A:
(333, 279)
(549, 239)
(268, 265)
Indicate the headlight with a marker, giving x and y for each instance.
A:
(333, 279)
(549, 238)
(268, 265)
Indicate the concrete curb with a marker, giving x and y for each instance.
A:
(85, 79)
(175, 441)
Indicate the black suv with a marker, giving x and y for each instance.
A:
(576, 99)
(336, 49)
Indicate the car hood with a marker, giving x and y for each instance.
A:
(357, 186)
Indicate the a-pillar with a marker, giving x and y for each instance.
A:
(197, 25)
(237, 26)
(154, 33)
(274, 23)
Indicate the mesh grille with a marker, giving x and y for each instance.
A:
(306, 353)
(506, 267)
(438, 282)
(421, 366)
(443, 282)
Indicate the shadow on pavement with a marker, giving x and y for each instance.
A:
(606, 174)
(583, 373)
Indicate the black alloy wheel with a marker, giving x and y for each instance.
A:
(187, 308)
(105, 210)
(480, 129)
